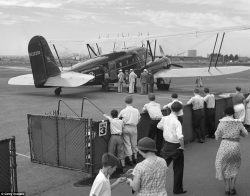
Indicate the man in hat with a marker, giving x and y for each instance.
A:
(143, 80)
(174, 145)
(132, 79)
(120, 81)
(150, 175)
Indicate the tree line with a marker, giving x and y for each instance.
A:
(225, 58)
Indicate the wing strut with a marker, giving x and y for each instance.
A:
(92, 50)
(57, 55)
(219, 49)
(211, 58)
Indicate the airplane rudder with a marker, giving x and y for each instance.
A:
(42, 61)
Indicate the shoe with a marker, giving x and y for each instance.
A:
(227, 192)
(233, 192)
(178, 193)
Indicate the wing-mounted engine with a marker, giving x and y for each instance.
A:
(42, 61)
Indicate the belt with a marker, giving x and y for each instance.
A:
(130, 125)
(155, 118)
(232, 139)
(117, 134)
(197, 109)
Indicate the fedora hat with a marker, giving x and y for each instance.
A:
(147, 143)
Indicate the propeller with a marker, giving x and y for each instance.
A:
(167, 59)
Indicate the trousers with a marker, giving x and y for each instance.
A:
(120, 86)
(197, 117)
(170, 152)
(156, 134)
(130, 140)
(210, 120)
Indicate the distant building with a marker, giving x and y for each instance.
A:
(192, 53)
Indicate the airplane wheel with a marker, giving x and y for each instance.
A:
(161, 85)
(58, 91)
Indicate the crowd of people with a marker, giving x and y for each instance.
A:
(128, 79)
(165, 143)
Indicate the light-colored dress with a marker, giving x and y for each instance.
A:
(247, 117)
(152, 173)
(228, 158)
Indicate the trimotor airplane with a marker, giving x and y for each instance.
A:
(46, 73)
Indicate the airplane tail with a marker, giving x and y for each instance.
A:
(42, 61)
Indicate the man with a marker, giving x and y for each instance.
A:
(174, 97)
(197, 115)
(130, 117)
(120, 81)
(126, 79)
(238, 96)
(154, 111)
(174, 145)
(210, 112)
(143, 80)
(151, 82)
(132, 79)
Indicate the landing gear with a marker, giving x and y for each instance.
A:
(58, 91)
(163, 83)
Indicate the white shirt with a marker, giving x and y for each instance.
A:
(153, 109)
(210, 100)
(116, 125)
(172, 129)
(130, 115)
(180, 113)
(101, 186)
(239, 112)
(132, 77)
(196, 101)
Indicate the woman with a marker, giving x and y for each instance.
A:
(228, 158)
(150, 174)
(247, 117)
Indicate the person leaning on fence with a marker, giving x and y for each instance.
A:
(101, 185)
(116, 143)
(238, 96)
(247, 116)
(154, 111)
(174, 97)
(150, 175)
(209, 99)
(120, 81)
(197, 115)
(239, 110)
(174, 145)
(130, 117)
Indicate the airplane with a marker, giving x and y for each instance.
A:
(46, 73)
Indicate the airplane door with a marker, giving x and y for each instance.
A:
(112, 70)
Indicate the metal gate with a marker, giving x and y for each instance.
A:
(8, 174)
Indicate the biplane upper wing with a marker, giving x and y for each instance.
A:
(201, 71)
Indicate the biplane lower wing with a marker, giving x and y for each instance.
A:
(65, 79)
(201, 71)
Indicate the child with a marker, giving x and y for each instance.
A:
(116, 141)
(101, 186)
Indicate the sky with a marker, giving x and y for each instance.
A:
(65, 21)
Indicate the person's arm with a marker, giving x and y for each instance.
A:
(243, 131)
(218, 132)
(190, 101)
(144, 109)
(108, 117)
(118, 181)
(180, 135)
(160, 124)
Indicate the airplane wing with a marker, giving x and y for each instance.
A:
(65, 79)
(201, 71)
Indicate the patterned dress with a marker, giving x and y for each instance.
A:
(152, 173)
(228, 158)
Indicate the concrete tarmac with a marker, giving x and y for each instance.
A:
(36, 179)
